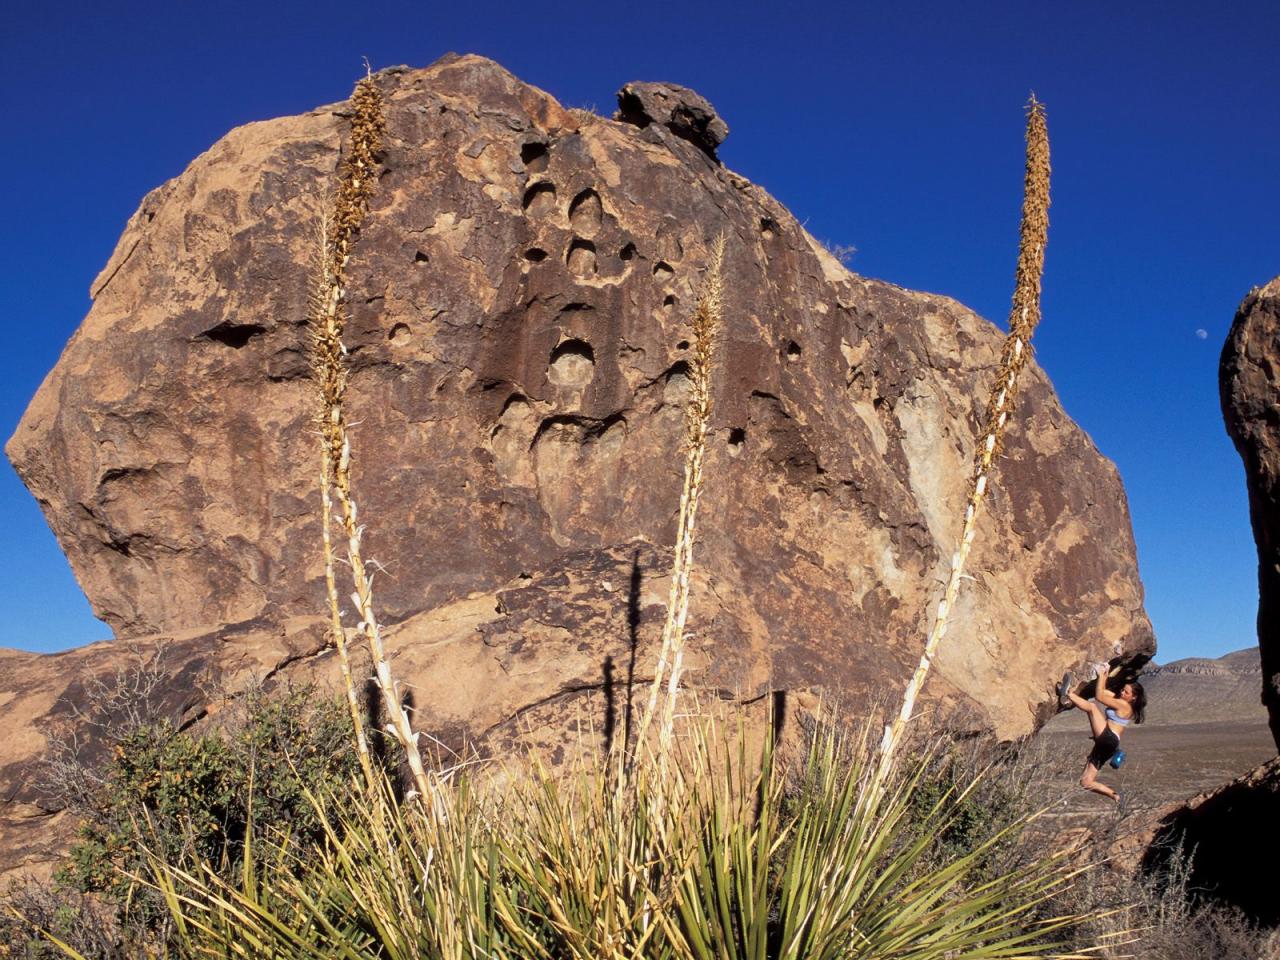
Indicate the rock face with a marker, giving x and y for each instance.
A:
(520, 298)
(1249, 380)
(1233, 834)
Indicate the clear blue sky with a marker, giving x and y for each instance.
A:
(895, 127)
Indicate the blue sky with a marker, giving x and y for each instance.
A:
(896, 128)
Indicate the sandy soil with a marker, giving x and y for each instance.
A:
(1163, 763)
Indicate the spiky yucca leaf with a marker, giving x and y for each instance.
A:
(721, 854)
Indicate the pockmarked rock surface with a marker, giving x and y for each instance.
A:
(520, 298)
(1249, 380)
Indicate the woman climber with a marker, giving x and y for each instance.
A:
(1107, 725)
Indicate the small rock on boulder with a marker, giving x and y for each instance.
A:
(682, 111)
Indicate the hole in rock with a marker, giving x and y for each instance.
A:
(682, 345)
(631, 110)
(586, 213)
(662, 270)
(768, 227)
(535, 254)
(627, 252)
(511, 401)
(400, 334)
(421, 257)
(678, 385)
(737, 437)
(535, 157)
(669, 300)
(793, 350)
(573, 364)
(233, 335)
(540, 199)
(581, 259)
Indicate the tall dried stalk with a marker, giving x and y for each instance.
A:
(707, 318)
(328, 319)
(330, 383)
(335, 623)
(1023, 318)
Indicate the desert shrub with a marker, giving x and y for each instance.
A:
(1160, 917)
(985, 805)
(709, 853)
(188, 797)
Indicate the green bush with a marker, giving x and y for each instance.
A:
(188, 798)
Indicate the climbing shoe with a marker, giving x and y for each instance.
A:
(1064, 688)
(1117, 758)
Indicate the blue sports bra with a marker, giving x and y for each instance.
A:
(1116, 718)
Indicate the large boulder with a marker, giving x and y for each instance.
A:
(520, 299)
(1249, 380)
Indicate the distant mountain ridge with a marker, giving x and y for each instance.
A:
(1202, 690)
(1247, 661)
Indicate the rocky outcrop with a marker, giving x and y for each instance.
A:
(679, 109)
(520, 298)
(1232, 836)
(1249, 380)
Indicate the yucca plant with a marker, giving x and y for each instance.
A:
(732, 856)
(330, 379)
(329, 370)
(1023, 318)
(708, 317)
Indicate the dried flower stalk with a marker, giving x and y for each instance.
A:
(707, 318)
(329, 381)
(351, 203)
(335, 621)
(1023, 318)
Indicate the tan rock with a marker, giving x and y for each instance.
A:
(520, 299)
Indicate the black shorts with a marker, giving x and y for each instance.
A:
(1105, 746)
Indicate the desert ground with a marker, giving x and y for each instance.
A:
(1205, 726)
